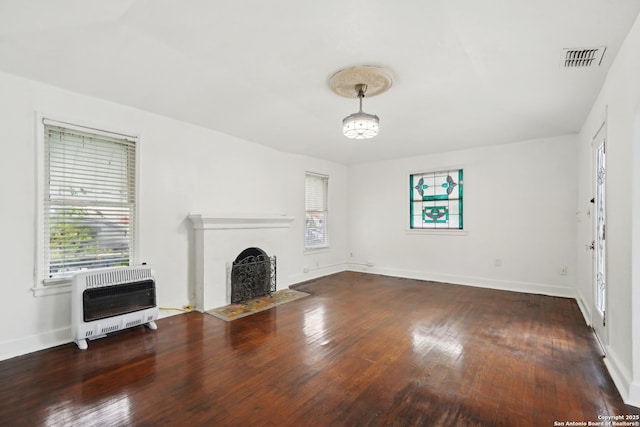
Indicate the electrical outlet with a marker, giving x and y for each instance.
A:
(497, 262)
(563, 270)
(305, 270)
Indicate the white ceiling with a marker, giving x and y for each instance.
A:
(466, 72)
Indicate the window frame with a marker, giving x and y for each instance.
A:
(325, 245)
(408, 208)
(44, 285)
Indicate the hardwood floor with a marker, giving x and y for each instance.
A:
(363, 350)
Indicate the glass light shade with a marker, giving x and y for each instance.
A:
(360, 125)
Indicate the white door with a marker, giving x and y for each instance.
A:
(599, 320)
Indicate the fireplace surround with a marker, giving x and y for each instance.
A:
(216, 241)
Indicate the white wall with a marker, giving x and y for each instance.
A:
(519, 204)
(620, 99)
(183, 168)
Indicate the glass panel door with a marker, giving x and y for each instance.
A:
(600, 258)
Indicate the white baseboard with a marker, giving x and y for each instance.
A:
(634, 395)
(584, 309)
(29, 344)
(314, 273)
(629, 390)
(480, 282)
(32, 343)
(619, 374)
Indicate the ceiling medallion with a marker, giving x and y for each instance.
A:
(357, 82)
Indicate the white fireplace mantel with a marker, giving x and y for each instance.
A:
(217, 241)
(238, 221)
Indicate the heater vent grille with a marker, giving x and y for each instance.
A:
(134, 323)
(588, 57)
(110, 329)
(109, 277)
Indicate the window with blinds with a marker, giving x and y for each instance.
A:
(89, 199)
(316, 212)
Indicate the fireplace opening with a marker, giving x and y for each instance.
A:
(253, 274)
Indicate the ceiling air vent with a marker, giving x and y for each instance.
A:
(583, 57)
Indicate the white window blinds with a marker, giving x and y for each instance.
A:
(89, 206)
(316, 212)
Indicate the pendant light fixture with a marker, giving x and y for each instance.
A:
(360, 125)
(361, 81)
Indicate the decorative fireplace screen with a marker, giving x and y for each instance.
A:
(253, 275)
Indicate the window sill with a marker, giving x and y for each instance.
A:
(437, 232)
(60, 287)
(312, 251)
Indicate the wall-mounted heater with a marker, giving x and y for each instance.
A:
(111, 299)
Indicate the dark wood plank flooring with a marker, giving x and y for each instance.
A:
(363, 350)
